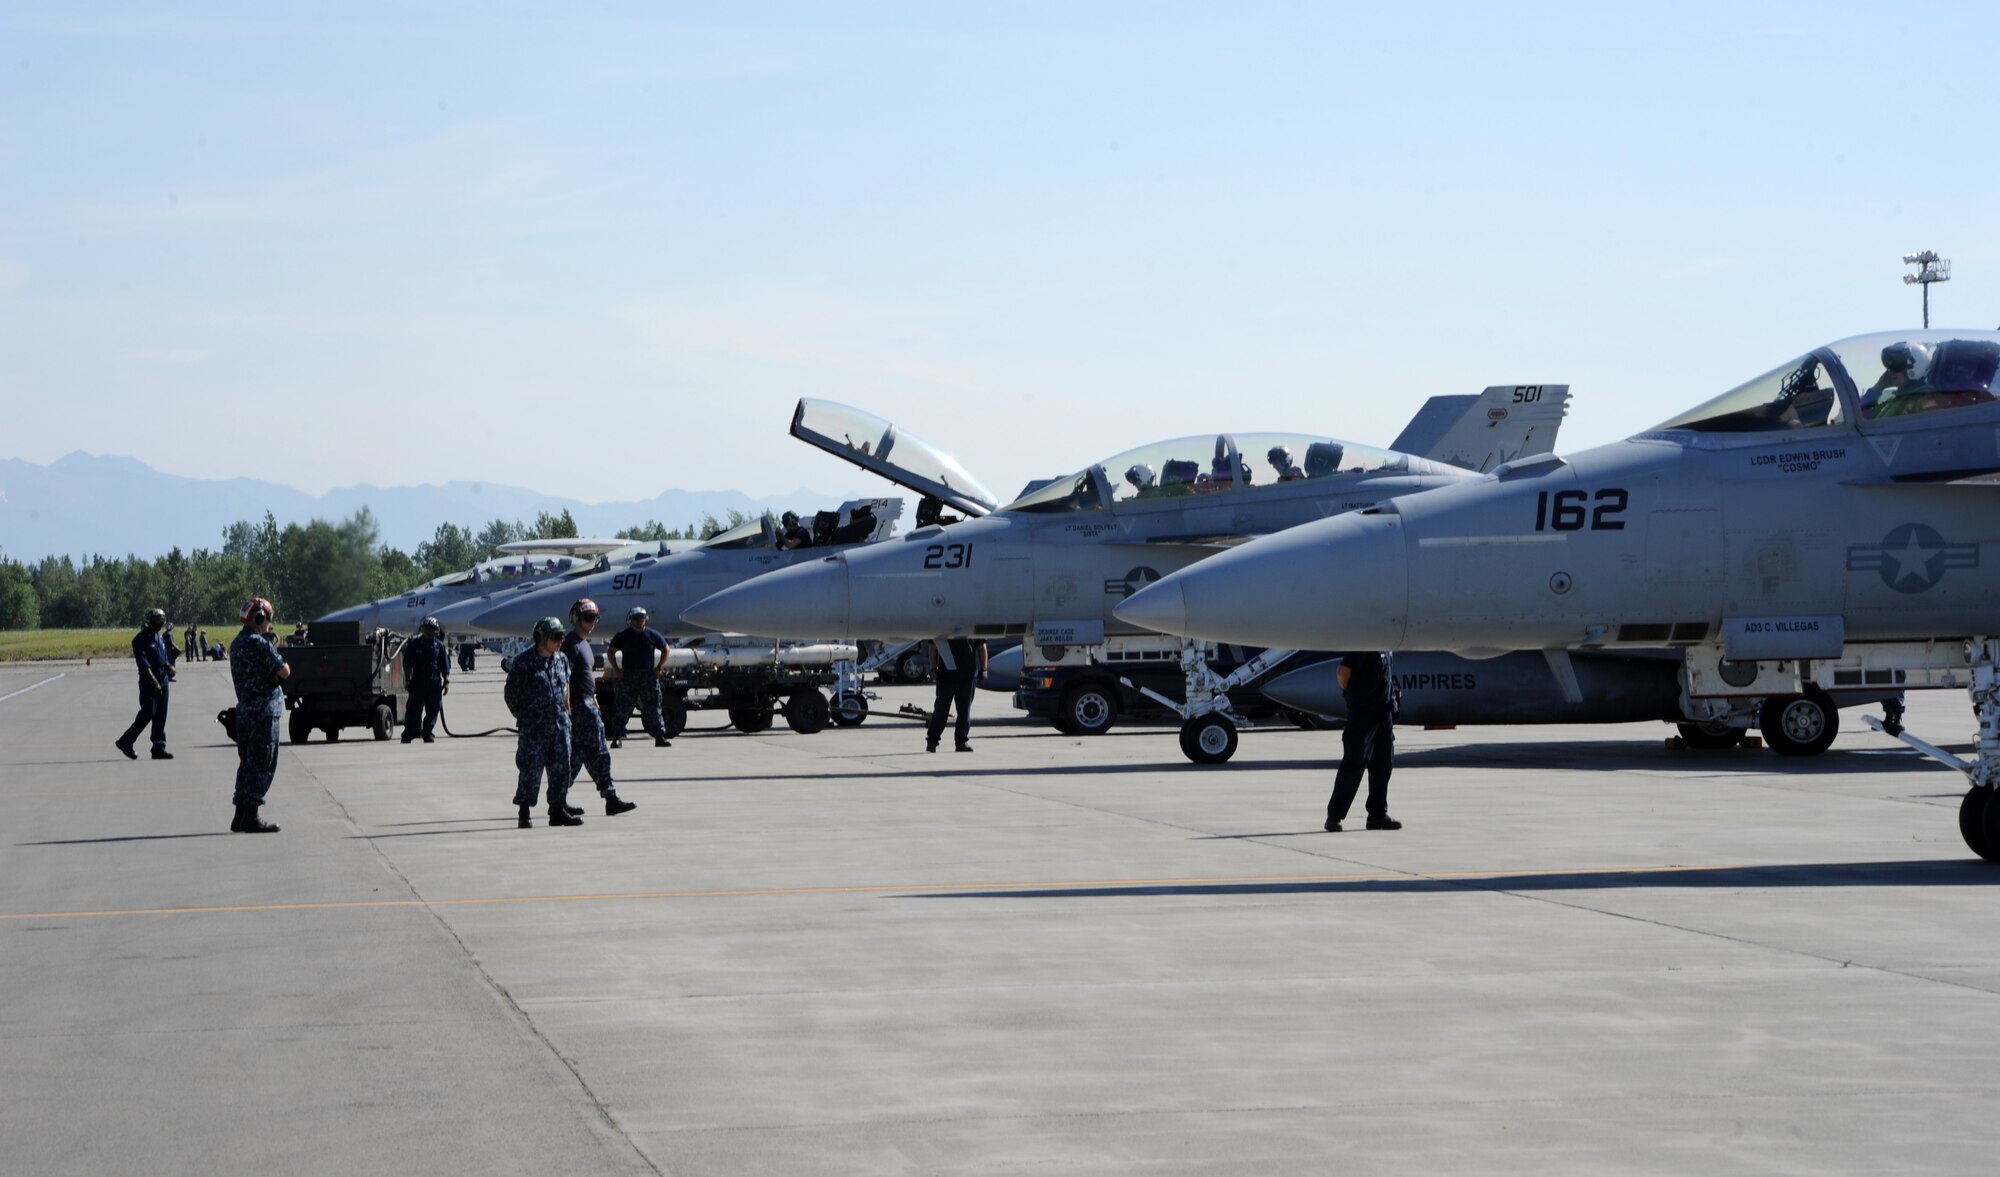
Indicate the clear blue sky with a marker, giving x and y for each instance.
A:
(600, 249)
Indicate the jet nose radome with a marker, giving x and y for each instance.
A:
(1338, 584)
(513, 615)
(804, 601)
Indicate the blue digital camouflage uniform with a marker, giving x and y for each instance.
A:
(537, 693)
(149, 651)
(427, 667)
(588, 750)
(260, 703)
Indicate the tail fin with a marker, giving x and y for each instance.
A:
(1505, 422)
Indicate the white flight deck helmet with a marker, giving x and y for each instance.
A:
(1141, 476)
(1913, 360)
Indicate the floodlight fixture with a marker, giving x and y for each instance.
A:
(1930, 268)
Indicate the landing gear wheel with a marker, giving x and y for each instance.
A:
(1710, 737)
(749, 720)
(806, 712)
(1208, 740)
(850, 709)
(1799, 725)
(1088, 709)
(912, 666)
(333, 735)
(1977, 819)
(383, 719)
(299, 727)
(673, 714)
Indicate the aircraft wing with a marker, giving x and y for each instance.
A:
(1505, 422)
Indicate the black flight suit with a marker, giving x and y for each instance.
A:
(1369, 741)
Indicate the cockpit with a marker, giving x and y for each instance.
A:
(1878, 377)
(1214, 464)
(879, 446)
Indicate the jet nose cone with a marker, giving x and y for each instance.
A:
(508, 618)
(1338, 584)
(803, 601)
(1159, 606)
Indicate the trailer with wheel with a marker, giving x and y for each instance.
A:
(340, 679)
(755, 681)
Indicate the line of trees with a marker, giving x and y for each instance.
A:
(305, 569)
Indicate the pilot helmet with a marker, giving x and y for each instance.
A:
(636, 613)
(584, 608)
(789, 519)
(1280, 455)
(548, 627)
(1141, 476)
(1913, 360)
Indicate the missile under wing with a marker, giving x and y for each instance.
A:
(1831, 522)
(1052, 563)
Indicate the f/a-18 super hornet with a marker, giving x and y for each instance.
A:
(1830, 523)
(666, 585)
(1050, 565)
(518, 564)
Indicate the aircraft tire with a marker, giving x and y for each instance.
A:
(333, 735)
(806, 712)
(1799, 725)
(299, 727)
(850, 709)
(1979, 823)
(1209, 740)
(382, 720)
(673, 713)
(1710, 737)
(1089, 709)
(749, 720)
(912, 666)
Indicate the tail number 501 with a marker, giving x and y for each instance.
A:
(1570, 510)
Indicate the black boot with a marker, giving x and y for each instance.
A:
(573, 811)
(559, 815)
(615, 805)
(247, 822)
(526, 824)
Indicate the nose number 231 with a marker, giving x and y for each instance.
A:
(948, 556)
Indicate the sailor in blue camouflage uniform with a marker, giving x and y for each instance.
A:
(257, 669)
(537, 693)
(588, 749)
(426, 681)
(152, 651)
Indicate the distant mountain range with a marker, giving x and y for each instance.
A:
(82, 504)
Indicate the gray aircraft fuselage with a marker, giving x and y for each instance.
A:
(1808, 508)
(1054, 562)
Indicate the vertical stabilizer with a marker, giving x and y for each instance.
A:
(1505, 422)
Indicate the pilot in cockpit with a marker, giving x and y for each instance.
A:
(1280, 457)
(1904, 366)
(1141, 477)
(791, 535)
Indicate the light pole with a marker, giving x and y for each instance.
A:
(1930, 268)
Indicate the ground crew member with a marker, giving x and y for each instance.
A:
(426, 681)
(537, 694)
(1369, 741)
(256, 668)
(156, 670)
(638, 656)
(959, 664)
(588, 750)
(188, 647)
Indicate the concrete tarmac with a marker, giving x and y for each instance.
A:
(838, 954)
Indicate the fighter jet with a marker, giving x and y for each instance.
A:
(523, 562)
(1829, 523)
(668, 584)
(1051, 564)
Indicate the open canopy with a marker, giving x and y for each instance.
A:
(878, 446)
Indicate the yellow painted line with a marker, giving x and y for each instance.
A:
(874, 888)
